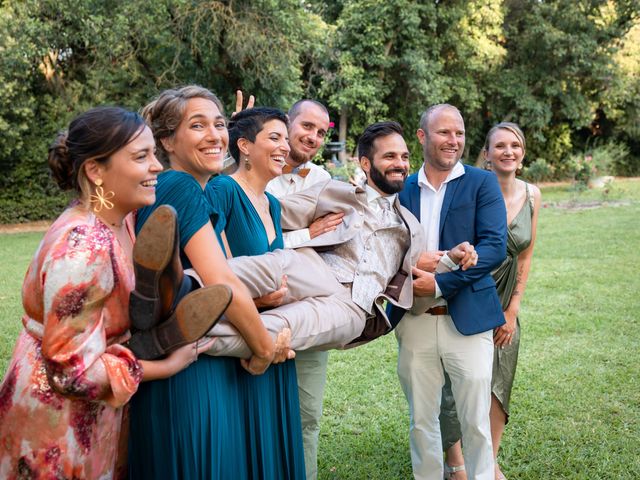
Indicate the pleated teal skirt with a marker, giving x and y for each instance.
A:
(215, 421)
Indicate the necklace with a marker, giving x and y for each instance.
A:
(261, 203)
(109, 223)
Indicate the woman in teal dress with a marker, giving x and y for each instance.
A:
(504, 151)
(197, 424)
(250, 219)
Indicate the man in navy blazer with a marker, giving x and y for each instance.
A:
(450, 324)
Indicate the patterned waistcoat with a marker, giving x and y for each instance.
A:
(370, 259)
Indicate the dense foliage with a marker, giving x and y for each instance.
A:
(568, 71)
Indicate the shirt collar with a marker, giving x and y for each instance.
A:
(456, 171)
(373, 195)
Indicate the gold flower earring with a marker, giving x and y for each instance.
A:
(101, 199)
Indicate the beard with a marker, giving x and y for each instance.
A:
(297, 157)
(387, 186)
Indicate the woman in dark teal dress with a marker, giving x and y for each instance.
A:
(250, 219)
(199, 424)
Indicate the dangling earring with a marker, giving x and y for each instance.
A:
(247, 163)
(100, 198)
(519, 170)
(487, 165)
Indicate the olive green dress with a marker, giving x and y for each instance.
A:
(505, 359)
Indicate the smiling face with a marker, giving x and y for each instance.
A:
(442, 138)
(389, 168)
(131, 174)
(200, 142)
(505, 152)
(307, 133)
(269, 151)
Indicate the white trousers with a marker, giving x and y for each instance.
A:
(427, 343)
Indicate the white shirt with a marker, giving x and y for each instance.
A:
(430, 207)
(373, 195)
(289, 183)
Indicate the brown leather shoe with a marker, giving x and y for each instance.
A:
(157, 267)
(195, 315)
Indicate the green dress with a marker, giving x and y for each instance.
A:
(505, 359)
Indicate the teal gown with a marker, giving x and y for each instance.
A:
(213, 420)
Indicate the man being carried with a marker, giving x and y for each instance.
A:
(339, 281)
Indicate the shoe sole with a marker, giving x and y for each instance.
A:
(196, 314)
(152, 252)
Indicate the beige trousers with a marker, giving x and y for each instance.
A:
(428, 345)
(318, 309)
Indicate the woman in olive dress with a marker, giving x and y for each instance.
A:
(504, 152)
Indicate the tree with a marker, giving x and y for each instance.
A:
(393, 59)
(60, 57)
(557, 70)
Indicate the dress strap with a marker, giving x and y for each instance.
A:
(529, 197)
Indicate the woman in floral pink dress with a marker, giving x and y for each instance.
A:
(62, 398)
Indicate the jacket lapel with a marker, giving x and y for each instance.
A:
(452, 186)
(414, 196)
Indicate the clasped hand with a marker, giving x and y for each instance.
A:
(424, 280)
(464, 255)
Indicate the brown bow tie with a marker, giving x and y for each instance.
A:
(303, 172)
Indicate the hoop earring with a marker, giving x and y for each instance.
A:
(101, 199)
(247, 163)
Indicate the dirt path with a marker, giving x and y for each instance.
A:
(40, 226)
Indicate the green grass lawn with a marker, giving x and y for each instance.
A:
(576, 402)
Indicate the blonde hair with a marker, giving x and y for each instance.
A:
(509, 126)
(165, 112)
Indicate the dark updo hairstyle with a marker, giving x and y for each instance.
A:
(248, 123)
(164, 113)
(93, 135)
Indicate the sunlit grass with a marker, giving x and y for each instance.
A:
(576, 402)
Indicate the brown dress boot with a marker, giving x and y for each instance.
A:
(195, 315)
(157, 268)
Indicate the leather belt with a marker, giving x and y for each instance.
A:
(439, 310)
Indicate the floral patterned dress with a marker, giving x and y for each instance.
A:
(62, 398)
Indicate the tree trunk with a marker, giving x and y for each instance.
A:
(342, 134)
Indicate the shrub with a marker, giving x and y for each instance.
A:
(610, 157)
(539, 171)
(601, 160)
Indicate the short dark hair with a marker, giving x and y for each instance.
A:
(248, 123)
(371, 133)
(294, 111)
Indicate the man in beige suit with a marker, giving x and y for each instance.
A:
(338, 282)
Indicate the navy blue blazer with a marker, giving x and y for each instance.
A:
(473, 210)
